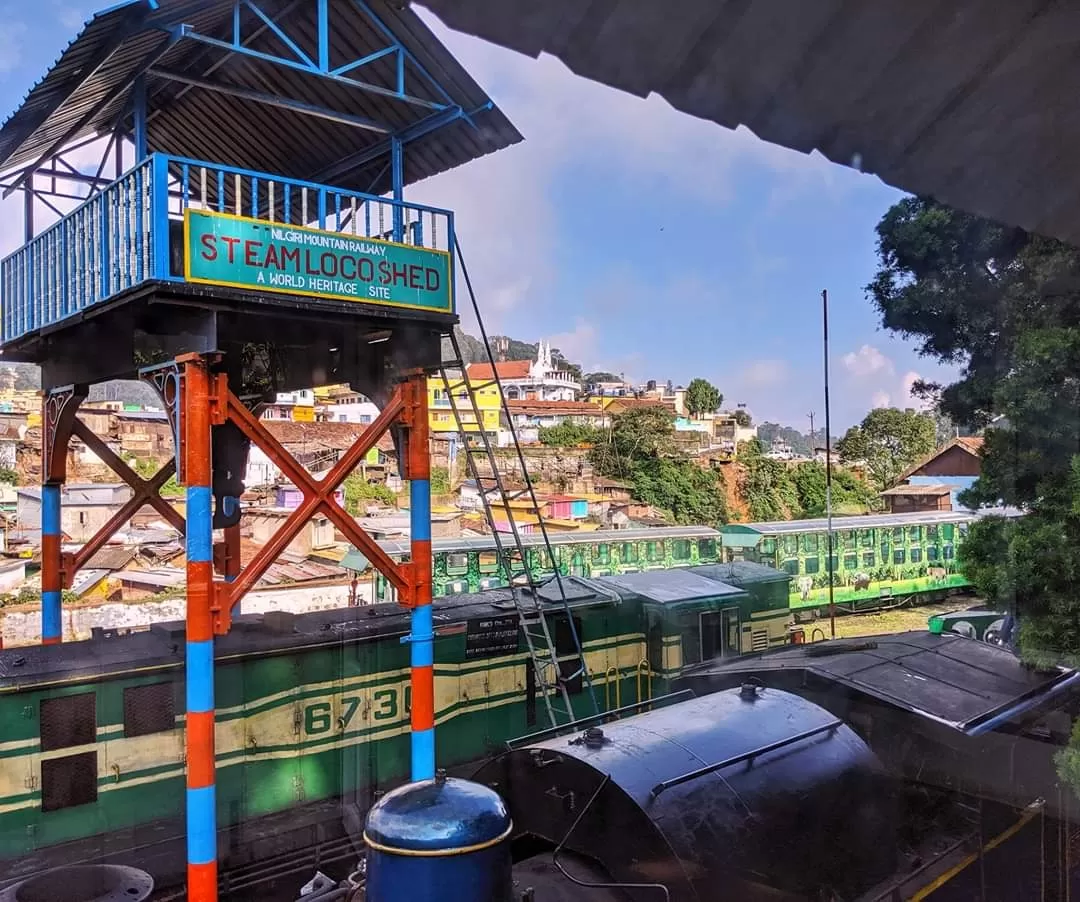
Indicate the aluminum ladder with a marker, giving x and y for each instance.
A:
(534, 614)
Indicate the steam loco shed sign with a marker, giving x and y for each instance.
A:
(234, 251)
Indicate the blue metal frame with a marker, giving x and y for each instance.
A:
(302, 61)
(117, 239)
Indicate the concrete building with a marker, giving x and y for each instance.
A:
(441, 405)
(84, 508)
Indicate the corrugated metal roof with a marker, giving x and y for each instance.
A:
(211, 126)
(970, 101)
(865, 521)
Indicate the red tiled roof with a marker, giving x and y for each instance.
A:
(507, 369)
(972, 443)
(554, 407)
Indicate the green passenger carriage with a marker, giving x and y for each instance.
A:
(877, 559)
(313, 709)
(471, 564)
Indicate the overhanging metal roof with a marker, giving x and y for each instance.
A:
(969, 101)
(86, 92)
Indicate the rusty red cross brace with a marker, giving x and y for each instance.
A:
(318, 496)
(146, 491)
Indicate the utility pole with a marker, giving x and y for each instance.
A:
(811, 415)
(828, 464)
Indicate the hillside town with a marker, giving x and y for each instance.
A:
(136, 576)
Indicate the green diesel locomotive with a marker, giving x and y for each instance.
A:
(313, 709)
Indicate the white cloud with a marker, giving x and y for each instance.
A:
(507, 213)
(867, 361)
(761, 373)
(880, 399)
(578, 346)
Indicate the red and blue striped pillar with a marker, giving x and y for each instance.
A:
(422, 635)
(201, 795)
(51, 579)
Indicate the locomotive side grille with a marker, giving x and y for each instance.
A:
(149, 709)
(68, 781)
(759, 640)
(68, 720)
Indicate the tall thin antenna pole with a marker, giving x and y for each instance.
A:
(811, 415)
(828, 468)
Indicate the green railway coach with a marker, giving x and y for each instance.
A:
(313, 709)
(471, 564)
(877, 559)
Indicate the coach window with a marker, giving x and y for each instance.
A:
(898, 535)
(947, 531)
(680, 550)
(488, 561)
(898, 556)
(850, 537)
(791, 566)
(947, 552)
(914, 533)
(791, 546)
(707, 548)
(601, 554)
(866, 538)
(457, 563)
(629, 553)
(931, 532)
(884, 553)
(810, 565)
(869, 559)
(932, 553)
(916, 555)
(810, 543)
(851, 561)
(653, 551)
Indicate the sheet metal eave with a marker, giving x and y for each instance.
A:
(967, 101)
(218, 128)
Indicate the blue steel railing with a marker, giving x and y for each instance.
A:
(129, 233)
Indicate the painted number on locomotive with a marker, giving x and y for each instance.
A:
(319, 717)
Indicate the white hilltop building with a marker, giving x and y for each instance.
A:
(523, 380)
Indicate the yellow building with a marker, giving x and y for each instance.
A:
(441, 415)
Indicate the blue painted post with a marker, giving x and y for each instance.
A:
(51, 631)
(159, 216)
(397, 176)
(139, 102)
(324, 36)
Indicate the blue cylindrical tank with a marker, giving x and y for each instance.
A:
(441, 840)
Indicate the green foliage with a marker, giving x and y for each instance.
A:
(636, 435)
(570, 435)
(358, 491)
(743, 418)
(440, 481)
(1004, 305)
(640, 448)
(889, 441)
(8, 476)
(799, 443)
(702, 397)
(849, 494)
(691, 494)
(601, 376)
(769, 490)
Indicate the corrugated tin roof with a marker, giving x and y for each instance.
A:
(971, 101)
(211, 126)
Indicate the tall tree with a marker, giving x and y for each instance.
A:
(888, 441)
(743, 418)
(1004, 305)
(702, 397)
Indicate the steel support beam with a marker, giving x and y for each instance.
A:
(301, 67)
(274, 100)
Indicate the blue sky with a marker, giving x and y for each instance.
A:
(634, 237)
